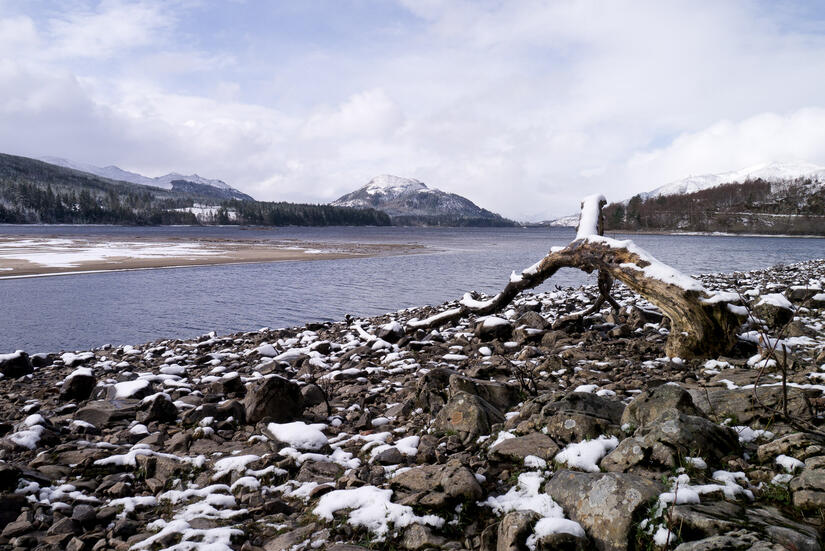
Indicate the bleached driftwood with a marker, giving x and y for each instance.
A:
(701, 323)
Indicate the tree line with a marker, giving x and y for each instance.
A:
(30, 203)
(793, 207)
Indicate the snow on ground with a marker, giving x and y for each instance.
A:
(70, 253)
(372, 508)
(587, 454)
(299, 435)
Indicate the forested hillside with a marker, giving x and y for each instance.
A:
(35, 192)
(795, 207)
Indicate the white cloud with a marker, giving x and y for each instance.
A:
(110, 29)
(797, 136)
(521, 106)
(369, 113)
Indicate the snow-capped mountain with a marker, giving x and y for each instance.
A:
(770, 172)
(407, 198)
(569, 221)
(116, 173)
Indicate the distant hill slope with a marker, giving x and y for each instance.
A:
(768, 172)
(410, 202)
(172, 181)
(33, 191)
(782, 199)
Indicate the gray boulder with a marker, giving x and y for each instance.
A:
(102, 413)
(739, 404)
(274, 398)
(740, 540)
(800, 445)
(774, 309)
(436, 485)
(809, 487)
(766, 524)
(580, 416)
(606, 504)
(417, 537)
(650, 404)
(659, 445)
(514, 529)
(518, 448)
(467, 415)
(501, 395)
(492, 328)
(160, 409)
(431, 391)
(391, 332)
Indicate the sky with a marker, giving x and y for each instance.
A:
(521, 106)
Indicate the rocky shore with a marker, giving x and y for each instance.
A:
(503, 433)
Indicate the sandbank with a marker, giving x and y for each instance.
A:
(37, 256)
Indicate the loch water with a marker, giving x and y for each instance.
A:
(76, 312)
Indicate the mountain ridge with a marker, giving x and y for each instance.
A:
(776, 171)
(411, 202)
(34, 191)
(166, 181)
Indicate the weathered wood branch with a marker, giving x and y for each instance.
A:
(702, 323)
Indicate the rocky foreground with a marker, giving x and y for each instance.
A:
(495, 434)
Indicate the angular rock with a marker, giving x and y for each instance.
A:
(581, 416)
(533, 320)
(774, 309)
(421, 537)
(289, 540)
(453, 479)
(9, 475)
(518, 448)
(739, 404)
(703, 520)
(606, 504)
(799, 294)
(492, 328)
(659, 445)
(78, 388)
(800, 445)
(229, 385)
(502, 396)
(15, 365)
(431, 390)
(514, 529)
(319, 471)
(739, 540)
(274, 398)
(650, 404)
(160, 409)
(103, 413)
(10, 507)
(468, 416)
(562, 541)
(390, 332)
(312, 395)
(809, 487)
(17, 528)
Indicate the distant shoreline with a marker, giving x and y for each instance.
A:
(715, 234)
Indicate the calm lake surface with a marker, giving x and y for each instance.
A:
(76, 312)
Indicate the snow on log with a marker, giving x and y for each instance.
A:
(702, 323)
(590, 220)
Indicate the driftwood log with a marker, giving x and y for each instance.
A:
(702, 324)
